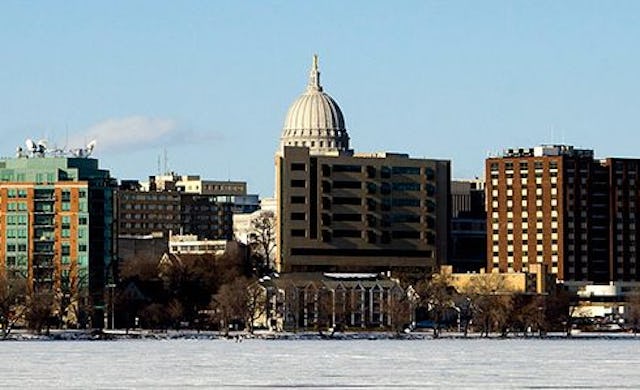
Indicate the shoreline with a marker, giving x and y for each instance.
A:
(239, 336)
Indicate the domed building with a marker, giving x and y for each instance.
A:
(340, 211)
(315, 120)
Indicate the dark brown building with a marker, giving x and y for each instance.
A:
(624, 212)
(468, 226)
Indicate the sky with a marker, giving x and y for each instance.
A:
(208, 83)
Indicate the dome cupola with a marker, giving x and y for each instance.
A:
(315, 120)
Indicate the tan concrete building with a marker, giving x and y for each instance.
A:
(342, 211)
(535, 281)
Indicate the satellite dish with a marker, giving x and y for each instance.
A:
(42, 146)
(91, 145)
(30, 145)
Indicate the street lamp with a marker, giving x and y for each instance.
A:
(111, 287)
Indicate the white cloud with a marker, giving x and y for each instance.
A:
(134, 132)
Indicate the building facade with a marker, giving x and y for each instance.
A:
(308, 300)
(57, 224)
(560, 206)
(182, 204)
(355, 212)
(468, 226)
(624, 204)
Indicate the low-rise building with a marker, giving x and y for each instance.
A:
(296, 301)
(190, 244)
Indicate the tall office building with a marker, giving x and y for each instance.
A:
(550, 205)
(358, 212)
(56, 219)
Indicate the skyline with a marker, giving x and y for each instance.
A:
(214, 80)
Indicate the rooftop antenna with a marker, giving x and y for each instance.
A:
(66, 136)
(159, 167)
(166, 162)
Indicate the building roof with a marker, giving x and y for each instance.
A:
(315, 120)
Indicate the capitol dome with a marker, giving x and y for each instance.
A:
(315, 120)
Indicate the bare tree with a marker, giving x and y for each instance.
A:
(561, 311)
(154, 316)
(492, 304)
(12, 301)
(256, 304)
(632, 311)
(437, 295)
(324, 308)
(398, 308)
(175, 312)
(230, 303)
(528, 313)
(40, 309)
(263, 240)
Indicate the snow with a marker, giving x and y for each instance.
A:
(344, 364)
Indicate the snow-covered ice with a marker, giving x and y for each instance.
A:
(321, 364)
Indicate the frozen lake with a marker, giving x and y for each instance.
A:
(356, 364)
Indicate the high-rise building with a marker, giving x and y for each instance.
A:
(468, 226)
(624, 235)
(56, 219)
(549, 204)
(356, 212)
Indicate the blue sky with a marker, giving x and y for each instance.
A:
(211, 81)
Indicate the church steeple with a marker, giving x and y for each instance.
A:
(314, 76)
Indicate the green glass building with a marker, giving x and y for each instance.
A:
(57, 232)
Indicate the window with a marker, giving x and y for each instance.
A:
(297, 183)
(405, 170)
(346, 168)
(347, 184)
(297, 232)
(405, 202)
(297, 216)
